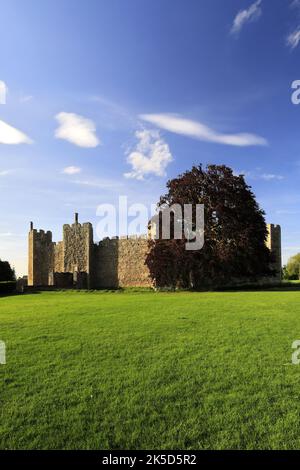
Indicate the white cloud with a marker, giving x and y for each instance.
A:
(293, 39)
(200, 131)
(71, 170)
(3, 92)
(150, 156)
(76, 129)
(11, 136)
(246, 16)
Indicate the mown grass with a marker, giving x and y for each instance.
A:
(150, 371)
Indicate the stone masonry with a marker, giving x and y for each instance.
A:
(274, 245)
(77, 261)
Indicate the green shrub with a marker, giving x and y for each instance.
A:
(293, 267)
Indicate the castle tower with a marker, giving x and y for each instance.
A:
(274, 245)
(40, 256)
(78, 248)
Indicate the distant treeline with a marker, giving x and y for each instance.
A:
(7, 278)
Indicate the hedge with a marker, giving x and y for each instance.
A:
(7, 287)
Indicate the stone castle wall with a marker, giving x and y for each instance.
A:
(132, 270)
(58, 253)
(105, 272)
(120, 262)
(78, 248)
(112, 263)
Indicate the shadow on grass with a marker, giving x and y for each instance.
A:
(278, 287)
(16, 294)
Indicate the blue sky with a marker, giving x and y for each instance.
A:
(115, 97)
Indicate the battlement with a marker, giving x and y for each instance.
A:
(110, 263)
(107, 240)
(274, 227)
(77, 226)
(41, 235)
(274, 235)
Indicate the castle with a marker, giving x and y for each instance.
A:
(77, 261)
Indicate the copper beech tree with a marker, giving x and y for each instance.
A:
(234, 228)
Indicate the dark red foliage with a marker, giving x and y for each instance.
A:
(235, 232)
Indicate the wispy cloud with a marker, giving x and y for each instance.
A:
(3, 92)
(71, 170)
(76, 129)
(112, 115)
(98, 183)
(291, 248)
(111, 106)
(295, 4)
(25, 98)
(293, 39)
(258, 175)
(287, 212)
(150, 156)
(197, 130)
(271, 176)
(11, 136)
(6, 172)
(245, 16)
(14, 235)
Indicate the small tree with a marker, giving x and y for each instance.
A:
(293, 267)
(284, 273)
(6, 272)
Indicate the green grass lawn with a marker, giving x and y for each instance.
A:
(150, 371)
